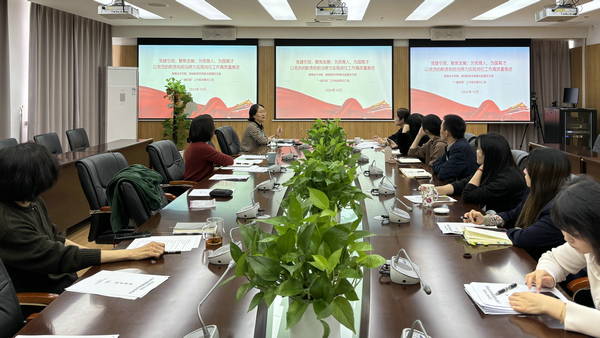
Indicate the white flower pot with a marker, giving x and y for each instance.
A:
(310, 327)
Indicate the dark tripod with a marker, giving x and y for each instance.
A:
(537, 122)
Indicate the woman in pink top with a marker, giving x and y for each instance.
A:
(201, 157)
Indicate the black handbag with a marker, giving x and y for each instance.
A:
(221, 193)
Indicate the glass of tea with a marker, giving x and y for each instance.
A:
(213, 233)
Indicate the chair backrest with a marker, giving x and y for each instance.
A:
(166, 160)
(135, 205)
(9, 142)
(228, 140)
(95, 172)
(596, 146)
(520, 157)
(470, 137)
(11, 318)
(50, 141)
(78, 139)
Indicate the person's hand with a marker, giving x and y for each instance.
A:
(279, 130)
(392, 144)
(405, 128)
(150, 250)
(474, 216)
(532, 303)
(421, 133)
(378, 139)
(541, 278)
(481, 167)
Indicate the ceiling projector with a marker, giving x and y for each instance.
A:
(118, 10)
(335, 11)
(557, 14)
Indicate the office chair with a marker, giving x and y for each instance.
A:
(95, 172)
(137, 208)
(520, 157)
(470, 137)
(8, 143)
(228, 140)
(11, 317)
(582, 294)
(167, 161)
(78, 139)
(596, 146)
(50, 141)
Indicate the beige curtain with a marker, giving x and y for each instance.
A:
(66, 53)
(5, 73)
(551, 73)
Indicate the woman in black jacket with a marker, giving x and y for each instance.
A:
(498, 184)
(409, 125)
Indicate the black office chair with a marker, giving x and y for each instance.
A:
(135, 205)
(78, 139)
(50, 141)
(167, 161)
(95, 172)
(228, 140)
(520, 157)
(9, 142)
(11, 317)
(470, 137)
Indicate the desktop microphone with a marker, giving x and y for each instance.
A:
(384, 188)
(269, 184)
(209, 331)
(289, 157)
(373, 170)
(407, 207)
(408, 333)
(250, 211)
(402, 274)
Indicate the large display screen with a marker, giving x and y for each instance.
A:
(485, 83)
(347, 82)
(221, 78)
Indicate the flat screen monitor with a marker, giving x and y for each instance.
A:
(571, 96)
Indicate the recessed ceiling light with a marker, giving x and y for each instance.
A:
(505, 9)
(144, 14)
(278, 9)
(156, 4)
(356, 9)
(428, 9)
(205, 9)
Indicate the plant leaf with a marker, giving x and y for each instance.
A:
(349, 273)
(335, 238)
(271, 238)
(295, 312)
(305, 238)
(292, 268)
(326, 329)
(270, 295)
(256, 300)
(360, 234)
(333, 260)
(343, 287)
(286, 243)
(227, 280)
(240, 265)
(361, 246)
(241, 290)
(247, 232)
(267, 268)
(290, 287)
(351, 296)
(319, 199)
(371, 261)
(235, 252)
(320, 262)
(295, 210)
(342, 311)
(322, 308)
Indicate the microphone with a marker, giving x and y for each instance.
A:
(250, 211)
(293, 138)
(408, 333)
(209, 331)
(373, 170)
(401, 267)
(407, 207)
(269, 184)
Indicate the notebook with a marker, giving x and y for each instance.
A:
(415, 173)
(476, 236)
(408, 160)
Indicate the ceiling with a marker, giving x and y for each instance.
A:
(380, 13)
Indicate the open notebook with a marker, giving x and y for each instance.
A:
(476, 236)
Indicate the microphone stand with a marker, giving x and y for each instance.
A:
(412, 328)
(424, 285)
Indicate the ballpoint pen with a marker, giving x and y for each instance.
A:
(503, 290)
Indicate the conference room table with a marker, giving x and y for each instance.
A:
(66, 202)
(384, 308)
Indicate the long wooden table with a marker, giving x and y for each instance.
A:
(66, 202)
(386, 308)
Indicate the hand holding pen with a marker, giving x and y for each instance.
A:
(474, 217)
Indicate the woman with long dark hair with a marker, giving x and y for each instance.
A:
(201, 157)
(576, 214)
(529, 225)
(409, 124)
(254, 135)
(498, 184)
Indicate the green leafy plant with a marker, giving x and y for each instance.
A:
(311, 259)
(176, 127)
(328, 141)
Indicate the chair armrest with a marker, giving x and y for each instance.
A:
(578, 284)
(36, 298)
(236, 155)
(103, 210)
(30, 318)
(182, 183)
(170, 197)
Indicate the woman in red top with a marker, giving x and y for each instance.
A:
(201, 157)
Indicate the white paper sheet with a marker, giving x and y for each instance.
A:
(172, 243)
(249, 169)
(247, 163)
(395, 151)
(367, 145)
(457, 228)
(418, 199)
(219, 177)
(118, 284)
(252, 157)
(408, 160)
(53, 336)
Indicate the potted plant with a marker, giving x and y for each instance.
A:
(176, 127)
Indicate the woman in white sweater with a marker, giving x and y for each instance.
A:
(576, 213)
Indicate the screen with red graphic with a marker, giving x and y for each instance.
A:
(477, 83)
(347, 82)
(221, 78)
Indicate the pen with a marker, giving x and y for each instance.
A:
(463, 217)
(503, 290)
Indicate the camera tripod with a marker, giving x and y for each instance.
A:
(537, 122)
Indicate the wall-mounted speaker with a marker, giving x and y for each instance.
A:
(448, 34)
(218, 33)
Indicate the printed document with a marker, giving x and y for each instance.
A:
(118, 284)
(172, 243)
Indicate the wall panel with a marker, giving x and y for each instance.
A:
(592, 69)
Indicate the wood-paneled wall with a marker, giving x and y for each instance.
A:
(576, 71)
(126, 56)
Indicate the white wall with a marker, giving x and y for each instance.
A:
(593, 37)
(18, 35)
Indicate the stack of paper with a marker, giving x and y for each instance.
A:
(251, 157)
(484, 295)
(408, 160)
(415, 173)
(248, 169)
(172, 243)
(202, 204)
(118, 284)
(418, 199)
(368, 145)
(219, 177)
(457, 228)
(188, 228)
(476, 236)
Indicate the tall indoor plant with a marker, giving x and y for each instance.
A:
(176, 127)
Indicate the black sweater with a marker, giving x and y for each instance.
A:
(405, 140)
(502, 193)
(34, 254)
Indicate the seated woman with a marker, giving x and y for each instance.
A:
(37, 258)
(254, 135)
(201, 157)
(529, 224)
(432, 149)
(576, 214)
(498, 184)
(409, 128)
